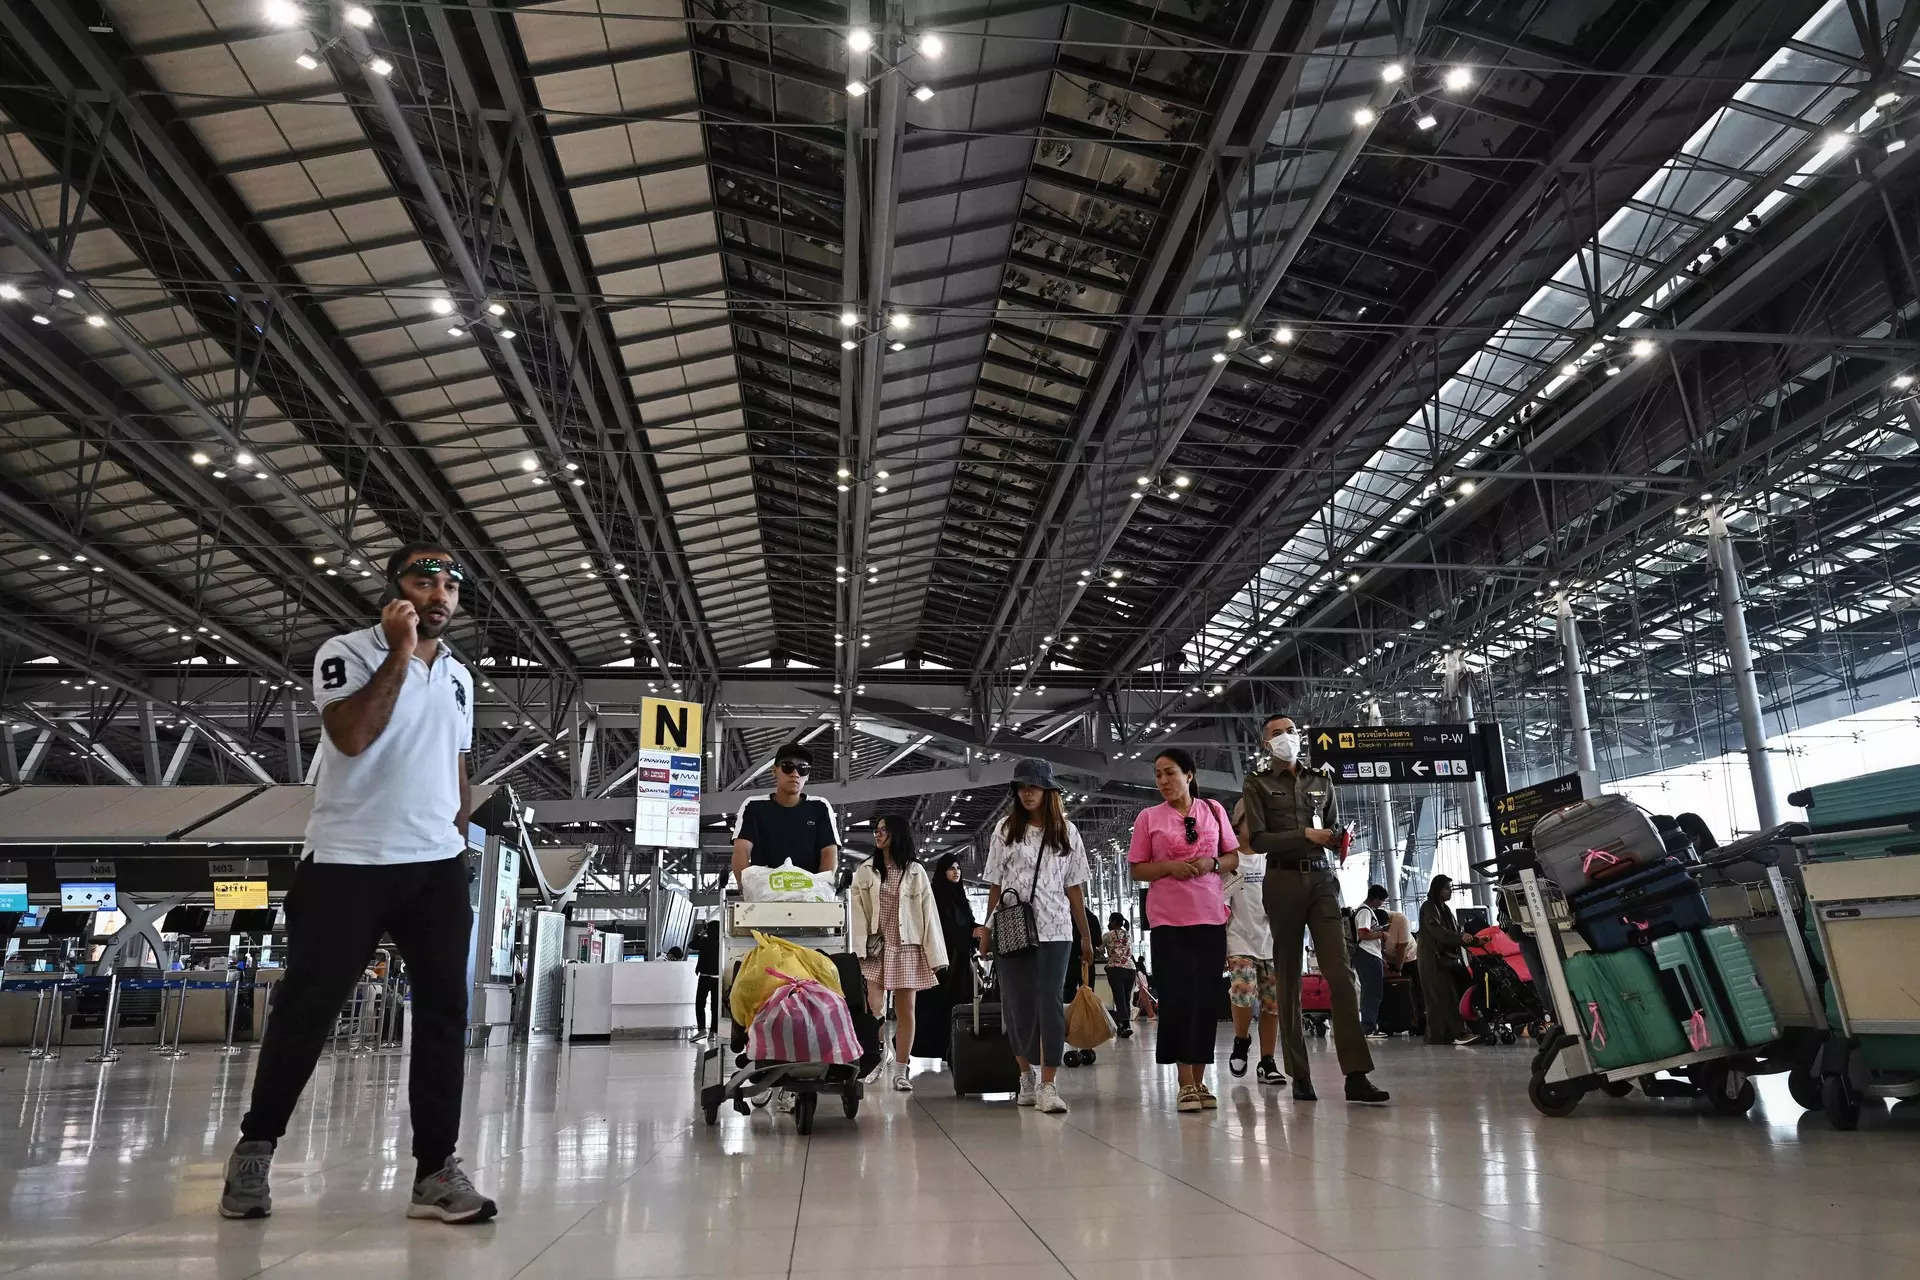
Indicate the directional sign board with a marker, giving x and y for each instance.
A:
(1397, 752)
(1516, 813)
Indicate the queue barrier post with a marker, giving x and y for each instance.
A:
(110, 1024)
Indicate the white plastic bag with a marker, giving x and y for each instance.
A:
(785, 883)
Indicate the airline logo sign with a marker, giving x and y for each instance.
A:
(1397, 752)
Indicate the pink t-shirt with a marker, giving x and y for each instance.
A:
(1160, 835)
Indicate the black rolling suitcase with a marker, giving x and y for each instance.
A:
(982, 1059)
(1397, 1005)
(865, 1024)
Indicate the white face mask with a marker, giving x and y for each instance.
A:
(1285, 747)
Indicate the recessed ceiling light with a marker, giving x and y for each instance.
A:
(1642, 348)
(1393, 72)
(441, 306)
(282, 13)
(859, 39)
(243, 459)
(1364, 116)
(899, 321)
(1283, 335)
(201, 459)
(379, 66)
(9, 292)
(529, 464)
(358, 16)
(1426, 121)
(930, 44)
(455, 331)
(1219, 357)
(1458, 78)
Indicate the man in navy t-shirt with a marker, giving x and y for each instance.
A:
(787, 825)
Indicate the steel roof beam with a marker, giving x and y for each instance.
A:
(655, 547)
(1275, 25)
(1385, 373)
(286, 326)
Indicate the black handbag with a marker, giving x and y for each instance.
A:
(1013, 927)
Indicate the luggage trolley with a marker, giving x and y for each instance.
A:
(722, 1071)
(1866, 914)
(1563, 1069)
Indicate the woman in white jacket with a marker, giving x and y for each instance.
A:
(897, 924)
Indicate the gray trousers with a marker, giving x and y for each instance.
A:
(1372, 972)
(1030, 1005)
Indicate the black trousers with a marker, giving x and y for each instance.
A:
(1188, 961)
(706, 1001)
(1121, 982)
(336, 915)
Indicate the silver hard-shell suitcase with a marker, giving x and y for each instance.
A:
(1613, 825)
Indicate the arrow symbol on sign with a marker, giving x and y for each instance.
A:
(1420, 768)
(1324, 741)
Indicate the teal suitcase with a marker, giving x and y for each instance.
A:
(1744, 995)
(1890, 796)
(1680, 955)
(1624, 1015)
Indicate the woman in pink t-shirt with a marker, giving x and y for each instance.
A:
(1179, 850)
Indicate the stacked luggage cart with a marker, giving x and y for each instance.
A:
(1861, 870)
(1649, 983)
(722, 1072)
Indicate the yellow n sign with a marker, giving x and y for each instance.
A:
(666, 725)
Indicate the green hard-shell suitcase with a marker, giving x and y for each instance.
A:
(1625, 1017)
(1680, 955)
(1744, 995)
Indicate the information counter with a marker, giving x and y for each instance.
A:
(634, 999)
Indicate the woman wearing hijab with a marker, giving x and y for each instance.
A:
(1441, 965)
(933, 1013)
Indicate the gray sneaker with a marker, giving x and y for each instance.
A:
(449, 1196)
(245, 1194)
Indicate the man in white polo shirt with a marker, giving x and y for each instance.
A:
(385, 854)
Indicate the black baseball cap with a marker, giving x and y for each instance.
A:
(791, 752)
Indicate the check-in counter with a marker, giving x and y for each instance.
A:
(637, 998)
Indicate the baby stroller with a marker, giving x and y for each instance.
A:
(1500, 999)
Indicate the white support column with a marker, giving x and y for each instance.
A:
(1573, 665)
(296, 762)
(149, 743)
(1746, 689)
(1385, 864)
(1479, 822)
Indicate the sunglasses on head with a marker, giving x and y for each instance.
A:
(429, 566)
(798, 768)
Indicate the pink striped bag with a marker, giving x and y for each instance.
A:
(802, 1021)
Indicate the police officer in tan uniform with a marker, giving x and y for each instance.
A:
(1291, 816)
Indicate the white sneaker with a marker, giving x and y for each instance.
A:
(1050, 1102)
(1029, 1089)
(783, 1102)
(902, 1077)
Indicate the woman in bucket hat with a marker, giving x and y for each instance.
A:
(1036, 860)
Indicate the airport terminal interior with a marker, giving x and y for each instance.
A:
(960, 638)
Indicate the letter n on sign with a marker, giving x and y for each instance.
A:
(666, 725)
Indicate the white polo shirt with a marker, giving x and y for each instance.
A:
(396, 801)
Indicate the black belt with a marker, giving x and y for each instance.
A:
(1317, 862)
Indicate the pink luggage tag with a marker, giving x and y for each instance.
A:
(1697, 1034)
(1598, 864)
(1597, 1032)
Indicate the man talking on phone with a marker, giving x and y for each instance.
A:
(384, 855)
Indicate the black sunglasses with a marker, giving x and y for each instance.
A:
(1193, 829)
(798, 768)
(428, 566)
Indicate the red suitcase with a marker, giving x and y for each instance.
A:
(1316, 1003)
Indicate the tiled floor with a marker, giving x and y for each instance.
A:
(603, 1170)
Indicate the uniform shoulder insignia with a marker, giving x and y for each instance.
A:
(1327, 769)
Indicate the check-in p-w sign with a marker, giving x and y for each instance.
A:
(667, 725)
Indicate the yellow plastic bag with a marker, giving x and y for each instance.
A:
(1089, 1025)
(754, 984)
